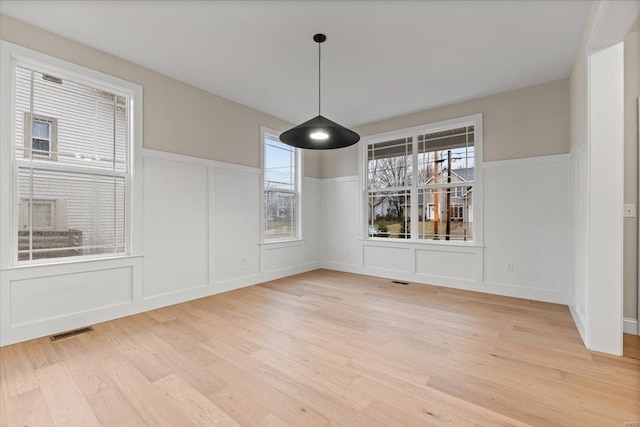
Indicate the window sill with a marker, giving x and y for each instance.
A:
(283, 243)
(422, 242)
(75, 261)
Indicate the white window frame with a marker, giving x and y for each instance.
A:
(475, 120)
(11, 56)
(274, 134)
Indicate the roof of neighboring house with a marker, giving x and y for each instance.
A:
(467, 174)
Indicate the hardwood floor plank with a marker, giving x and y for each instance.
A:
(312, 379)
(42, 353)
(392, 416)
(16, 372)
(152, 405)
(239, 406)
(632, 346)
(65, 401)
(197, 408)
(87, 373)
(25, 409)
(112, 408)
(287, 407)
(272, 421)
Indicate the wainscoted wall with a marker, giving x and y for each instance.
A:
(525, 223)
(201, 236)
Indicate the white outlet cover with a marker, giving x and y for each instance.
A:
(629, 210)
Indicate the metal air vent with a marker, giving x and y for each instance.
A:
(73, 333)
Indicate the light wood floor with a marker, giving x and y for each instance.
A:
(324, 349)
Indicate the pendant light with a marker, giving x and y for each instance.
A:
(319, 133)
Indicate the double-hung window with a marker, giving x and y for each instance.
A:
(71, 165)
(420, 182)
(281, 184)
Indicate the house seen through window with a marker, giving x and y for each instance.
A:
(421, 186)
(281, 190)
(71, 152)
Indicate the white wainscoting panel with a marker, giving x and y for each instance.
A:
(237, 224)
(47, 299)
(282, 257)
(391, 259)
(445, 265)
(176, 222)
(340, 221)
(525, 222)
(41, 298)
(311, 220)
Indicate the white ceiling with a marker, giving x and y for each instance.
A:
(381, 59)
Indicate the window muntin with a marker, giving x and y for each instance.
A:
(281, 190)
(83, 131)
(443, 163)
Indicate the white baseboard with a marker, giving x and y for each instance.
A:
(455, 283)
(630, 326)
(578, 319)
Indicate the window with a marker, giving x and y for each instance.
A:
(44, 216)
(420, 182)
(281, 182)
(72, 156)
(41, 139)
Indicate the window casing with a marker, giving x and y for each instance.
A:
(281, 189)
(421, 184)
(72, 153)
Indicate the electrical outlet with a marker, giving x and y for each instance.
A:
(629, 211)
(509, 266)
(244, 260)
(347, 251)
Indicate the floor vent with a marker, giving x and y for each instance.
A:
(73, 333)
(399, 282)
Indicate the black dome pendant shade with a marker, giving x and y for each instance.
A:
(319, 133)
(336, 136)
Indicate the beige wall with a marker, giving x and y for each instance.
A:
(528, 122)
(178, 118)
(631, 94)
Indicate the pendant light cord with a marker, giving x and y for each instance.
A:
(319, 75)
